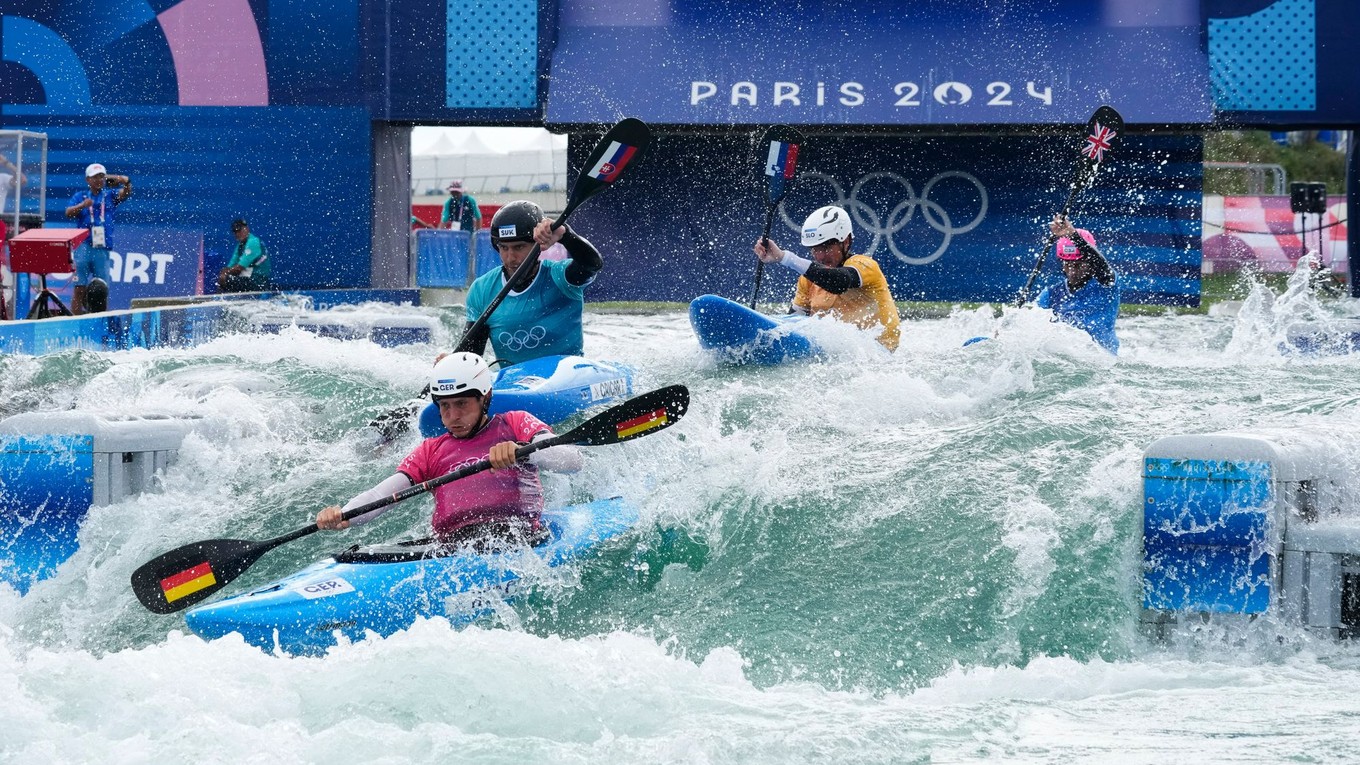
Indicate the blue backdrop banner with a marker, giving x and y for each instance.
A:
(947, 218)
(877, 62)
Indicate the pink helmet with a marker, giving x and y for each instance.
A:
(1067, 249)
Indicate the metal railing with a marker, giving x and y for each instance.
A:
(1256, 173)
(491, 184)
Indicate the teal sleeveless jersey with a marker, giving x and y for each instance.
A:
(543, 320)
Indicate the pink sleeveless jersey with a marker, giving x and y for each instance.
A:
(487, 496)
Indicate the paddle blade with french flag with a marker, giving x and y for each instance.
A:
(783, 145)
(620, 148)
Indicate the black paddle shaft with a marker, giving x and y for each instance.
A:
(194, 572)
(1101, 130)
(776, 188)
(629, 132)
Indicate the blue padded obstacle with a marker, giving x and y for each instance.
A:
(1240, 525)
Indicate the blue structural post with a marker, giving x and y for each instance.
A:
(1353, 204)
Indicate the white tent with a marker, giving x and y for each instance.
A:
(488, 160)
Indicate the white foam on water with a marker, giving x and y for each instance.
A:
(1026, 448)
(433, 694)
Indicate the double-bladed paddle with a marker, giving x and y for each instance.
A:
(782, 145)
(186, 575)
(1101, 131)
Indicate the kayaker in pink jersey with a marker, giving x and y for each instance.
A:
(504, 502)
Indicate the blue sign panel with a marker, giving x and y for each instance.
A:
(947, 218)
(154, 262)
(1284, 62)
(877, 62)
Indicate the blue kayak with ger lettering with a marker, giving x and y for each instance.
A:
(383, 589)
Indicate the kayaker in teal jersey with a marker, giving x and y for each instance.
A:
(503, 503)
(543, 318)
(1088, 297)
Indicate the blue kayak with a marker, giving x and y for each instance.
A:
(742, 336)
(385, 588)
(551, 388)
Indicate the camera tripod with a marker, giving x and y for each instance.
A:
(43, 304)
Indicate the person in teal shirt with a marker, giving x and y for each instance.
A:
(250, 268)
(543, 316)
(1088, 296)
(461, 212)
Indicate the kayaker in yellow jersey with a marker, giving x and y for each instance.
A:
(835, 283)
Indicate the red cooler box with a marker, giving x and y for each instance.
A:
(45, 250)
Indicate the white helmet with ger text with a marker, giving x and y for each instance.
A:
(460, 373)
(825, 224)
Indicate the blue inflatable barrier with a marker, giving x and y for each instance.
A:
(55, 466)
(487, 258)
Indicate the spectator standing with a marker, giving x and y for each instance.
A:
(460, 210)
(11, 178)
(94, 210)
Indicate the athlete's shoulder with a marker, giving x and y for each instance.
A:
(524, 424)
(867, 267)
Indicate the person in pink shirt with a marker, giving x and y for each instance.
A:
(501, 503)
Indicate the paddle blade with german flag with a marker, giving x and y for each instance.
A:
(639, 416)
(189, 574)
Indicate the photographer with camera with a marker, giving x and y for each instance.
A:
(94, 210)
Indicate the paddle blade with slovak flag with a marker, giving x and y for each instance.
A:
(623, 145)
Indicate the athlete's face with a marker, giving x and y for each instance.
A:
(1076, 272)
(831, 253)
(461, 415)
(512, 254)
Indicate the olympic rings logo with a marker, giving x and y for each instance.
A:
(523, 338)
(885, 227)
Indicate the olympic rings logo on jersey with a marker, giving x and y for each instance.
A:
(871, 220)
(521, 339)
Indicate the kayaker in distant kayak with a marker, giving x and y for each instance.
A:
(835, 283)
(1088, 297)
(502, 503)
(544, 317)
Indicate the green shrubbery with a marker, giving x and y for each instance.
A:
(1308, 161)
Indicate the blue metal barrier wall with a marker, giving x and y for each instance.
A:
(442, 258)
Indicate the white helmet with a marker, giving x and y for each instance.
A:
(825, 224)
(459, 373)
